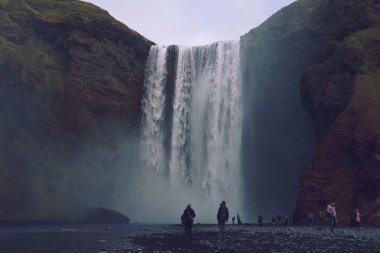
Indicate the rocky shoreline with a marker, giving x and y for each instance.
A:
(131, 238)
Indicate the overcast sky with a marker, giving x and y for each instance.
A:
(191, 22)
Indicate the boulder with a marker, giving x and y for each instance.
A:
(103, 215)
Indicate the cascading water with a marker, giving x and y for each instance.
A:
(191, 130)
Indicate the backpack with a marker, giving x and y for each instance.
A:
(186, 216)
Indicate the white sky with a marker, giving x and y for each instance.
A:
(191, 22)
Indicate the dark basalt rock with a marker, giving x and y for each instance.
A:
(103, 215)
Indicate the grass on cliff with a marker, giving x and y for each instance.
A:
(59, 11)
(10, 54)
(52, 9)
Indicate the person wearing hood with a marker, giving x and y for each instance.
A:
(187, 220)
(222, 216)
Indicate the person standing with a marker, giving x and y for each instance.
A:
(222, 216)
(358, 217)
(287, 223)
(260, 219)
(233, 220)
(320, 220)
(279, 219)
(331, 212)
(187, 220)
(310, 218)
(273, 220)
(239, 222)
(353, 217)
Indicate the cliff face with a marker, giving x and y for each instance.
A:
(324, 54)
(342, 95)
(71, 76)
(278, 136)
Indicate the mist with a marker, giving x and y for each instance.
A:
(190, 135)
(212, 130)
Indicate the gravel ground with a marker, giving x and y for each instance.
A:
(170, 238)
(266, 239)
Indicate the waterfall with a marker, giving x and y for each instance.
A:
(153, 109)
(191, 127)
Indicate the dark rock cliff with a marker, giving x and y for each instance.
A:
(342, 94)
(278, 137)
(71, 76)
(323, 54)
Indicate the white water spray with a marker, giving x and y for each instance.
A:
(195, 157)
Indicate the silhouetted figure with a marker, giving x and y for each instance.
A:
(233, 219)
(274, 221)
(187, 220)
(355, 217)
(320, 220)
(331, 212)
(278, 219)
(222, 216)
(352, 217)
(260, 219)
(310, 218)
(358, 217)
(239, 220)
(287, 221)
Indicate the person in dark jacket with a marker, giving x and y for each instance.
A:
(287, 220)
(239, 222)
(260, 219)
(310, 218)
(222, 216)
(279, 219)
(352, 217)
(187, 220)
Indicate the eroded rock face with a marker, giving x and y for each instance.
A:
(324, 54)
(71, 79)
(342, 96)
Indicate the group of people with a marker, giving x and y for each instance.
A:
(222, 217)
(276, 221)
(239, 222)
(355, 216)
